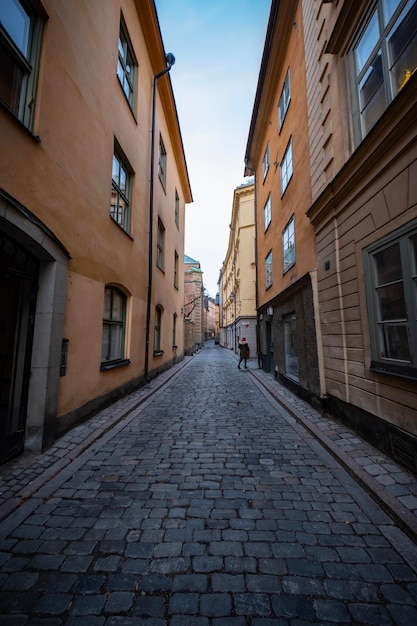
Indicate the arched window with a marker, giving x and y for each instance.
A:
(114, 322)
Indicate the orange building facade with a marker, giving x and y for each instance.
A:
(278, 152)
(86, 288)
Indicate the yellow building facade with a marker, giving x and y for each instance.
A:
(237, 281)
(93, 302)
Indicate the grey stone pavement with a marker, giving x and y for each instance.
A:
(210, 497)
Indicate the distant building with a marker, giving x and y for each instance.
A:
(75, 158)
(237, 282)
(209, 318)
(193, 305)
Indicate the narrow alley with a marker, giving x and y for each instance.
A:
(204, 504)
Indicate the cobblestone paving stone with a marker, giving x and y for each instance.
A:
(207, 505)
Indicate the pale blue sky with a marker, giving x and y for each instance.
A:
(218, 47)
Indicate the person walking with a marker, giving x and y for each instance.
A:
(243, 351)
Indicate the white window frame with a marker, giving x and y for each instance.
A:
(286, 168)
(265, 162)
(288, 245)
(391, 333)
(372, 68)
(269, 278)
(284, 100)
(267, 213)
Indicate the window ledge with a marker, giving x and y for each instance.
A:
(158, 352)
(110, 365)
(19, 122)
(402, 371)
(121, 227)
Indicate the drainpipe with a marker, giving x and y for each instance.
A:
(170, 60)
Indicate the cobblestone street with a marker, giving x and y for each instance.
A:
(206, 504)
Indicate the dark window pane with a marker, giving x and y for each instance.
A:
(388, 265)
(395, 342)
(391, 302)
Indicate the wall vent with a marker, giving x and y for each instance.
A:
(404, 449)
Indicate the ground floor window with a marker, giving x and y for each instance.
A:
(114, 316)
(290, 346)
(391, 281)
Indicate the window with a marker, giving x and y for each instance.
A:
(174, 331)
(160, 242)
(157, 331)
(177, 208)
(288, 245)
(268, 270)
(121, 192)
(290, 346)
(126, 65)
(284, 100)
(20, 46)
(176, 270)
(286, 167)
(391, 281)
(267, 213)
(384, 58)
(265, 162)
(114, 313)
(162, 161)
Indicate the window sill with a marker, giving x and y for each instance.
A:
(158, 352)
(121, 227)
(402, 371)
(110, 365)
(19, 122)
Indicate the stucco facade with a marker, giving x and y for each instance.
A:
(350, 107)
(75, 199)
(238, 276)
(363, 153)
(278, 152)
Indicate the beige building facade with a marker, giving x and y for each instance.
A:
(362, 110)
(87, 289)
(337, 304)
(237, 281)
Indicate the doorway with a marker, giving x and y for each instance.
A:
(19, 272)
